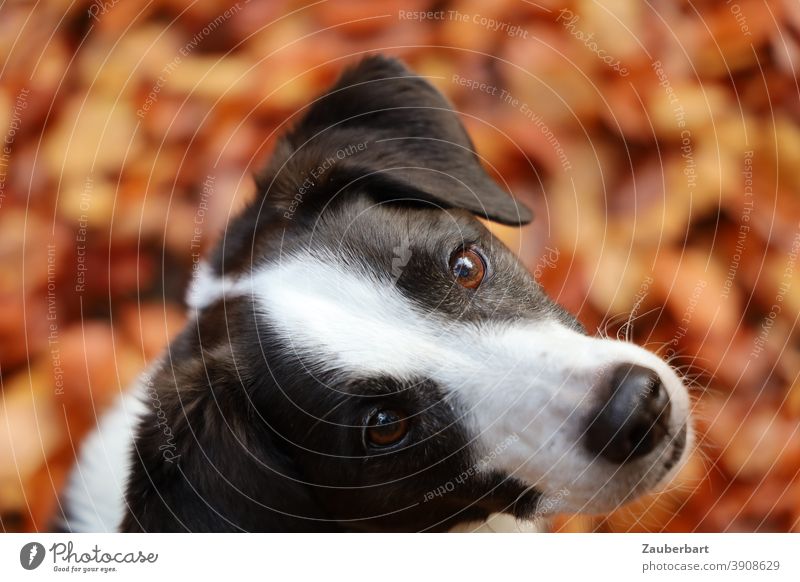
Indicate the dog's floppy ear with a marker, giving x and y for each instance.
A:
(202, 462)
(391, 134)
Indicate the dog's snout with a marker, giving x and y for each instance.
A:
(634, 418)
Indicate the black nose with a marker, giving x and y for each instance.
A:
(634, 419)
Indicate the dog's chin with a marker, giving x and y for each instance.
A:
(607, 487)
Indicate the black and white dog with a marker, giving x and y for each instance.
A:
(364, 355)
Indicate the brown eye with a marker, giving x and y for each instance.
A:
(386, 427)
(468, 267)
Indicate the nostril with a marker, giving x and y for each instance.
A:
(633, 419)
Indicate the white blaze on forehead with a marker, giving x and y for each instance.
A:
(344, 319)
(535, 380)
(351, 321)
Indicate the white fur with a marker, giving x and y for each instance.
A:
(94, 495)
(205, 287)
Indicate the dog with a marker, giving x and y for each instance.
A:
(364, 355)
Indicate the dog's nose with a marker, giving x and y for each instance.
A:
(634, 419)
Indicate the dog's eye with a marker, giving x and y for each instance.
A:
(386, 427)
(468, 267)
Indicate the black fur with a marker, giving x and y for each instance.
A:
(258, 441)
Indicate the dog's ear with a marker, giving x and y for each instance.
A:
(388, 133)
(202, 462)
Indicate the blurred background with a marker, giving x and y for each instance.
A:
(665, 140)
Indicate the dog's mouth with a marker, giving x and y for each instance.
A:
(604, 487)
(664, 466)
(646, 476)
(679, 444)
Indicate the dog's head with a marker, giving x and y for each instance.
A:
(366, 355)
